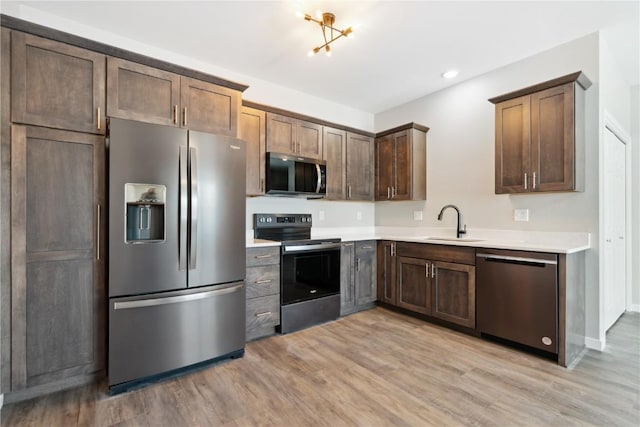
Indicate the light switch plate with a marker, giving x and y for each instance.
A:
(521, 214)
(359, 216)
(321, 215)
(417, 215)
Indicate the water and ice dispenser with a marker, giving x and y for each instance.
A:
(145, 213)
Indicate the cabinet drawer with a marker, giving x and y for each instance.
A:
(457, 254)
(263, 312)
(263, 256)
(263, 280)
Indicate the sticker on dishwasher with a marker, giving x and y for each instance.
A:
(546, 341)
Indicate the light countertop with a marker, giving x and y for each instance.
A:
(536, 241)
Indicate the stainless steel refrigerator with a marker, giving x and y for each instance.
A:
(176, 250)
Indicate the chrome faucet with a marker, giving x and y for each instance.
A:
(459, 231)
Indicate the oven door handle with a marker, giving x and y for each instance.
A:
(308, 248)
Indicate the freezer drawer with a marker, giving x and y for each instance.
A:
(154, 334)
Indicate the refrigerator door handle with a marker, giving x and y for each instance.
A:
(183, 209)
(150, 302)
(193, 246)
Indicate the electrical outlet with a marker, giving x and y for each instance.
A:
(521, 214)
(321, 215)
(417, 215)
(359, 216)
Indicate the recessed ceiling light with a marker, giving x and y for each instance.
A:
(450, 74)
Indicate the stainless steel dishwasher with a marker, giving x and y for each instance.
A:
(517, 297)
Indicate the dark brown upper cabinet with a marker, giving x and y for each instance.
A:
(401, 163)
(143, 93)
(288, 135)
(252, 131)
(349, 157)
(56, 85)
(334, 146)
(539, 143)
(209, 108)
(358, 171)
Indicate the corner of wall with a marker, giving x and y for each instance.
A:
(595, 344)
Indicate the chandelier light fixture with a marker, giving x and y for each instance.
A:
(329, 32)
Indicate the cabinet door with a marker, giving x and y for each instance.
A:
(414, 286)
(454, 293)
(145, 94)
(386, 272)
(334, 153)
(552, 139)
(281, 134)
(57, 220)
(253, 132)
(513, 142)
(402, 166)
(365, 277)
(56, 85)
(385, 158)
(209, 108)
(309, 137)
(347, 276)
(359, 173)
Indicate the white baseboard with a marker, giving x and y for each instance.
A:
(634, 307)
(594, 344)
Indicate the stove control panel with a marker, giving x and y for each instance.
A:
(281, 220)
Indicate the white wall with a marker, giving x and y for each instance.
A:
(460, 156)
(635, 192)
(615, 107)
(336, 214)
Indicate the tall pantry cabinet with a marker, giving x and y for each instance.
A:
(53, 322)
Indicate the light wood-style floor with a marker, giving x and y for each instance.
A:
(374, 368)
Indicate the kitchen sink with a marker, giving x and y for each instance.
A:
(454, 239)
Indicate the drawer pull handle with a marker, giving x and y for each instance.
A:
(260, 282)
(266, 313)
(263, 256)
(367, 247)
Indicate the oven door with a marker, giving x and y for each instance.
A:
(309, 271)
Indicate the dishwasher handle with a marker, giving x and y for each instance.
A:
(537, 262)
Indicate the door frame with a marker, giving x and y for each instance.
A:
(611, 124)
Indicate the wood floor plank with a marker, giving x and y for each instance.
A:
(373, 368)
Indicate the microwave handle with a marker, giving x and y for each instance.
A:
(319, 174)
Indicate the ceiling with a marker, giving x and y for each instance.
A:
(399, 51)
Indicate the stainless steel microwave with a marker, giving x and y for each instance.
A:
(288, 175)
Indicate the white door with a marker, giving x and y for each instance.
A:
(614, 228)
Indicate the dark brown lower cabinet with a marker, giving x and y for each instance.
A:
(454, 293)
(414, 286)
(57, 258)
(365, 277)
(435, 280)
(357, 276)
(263, 291)
(386, 272)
